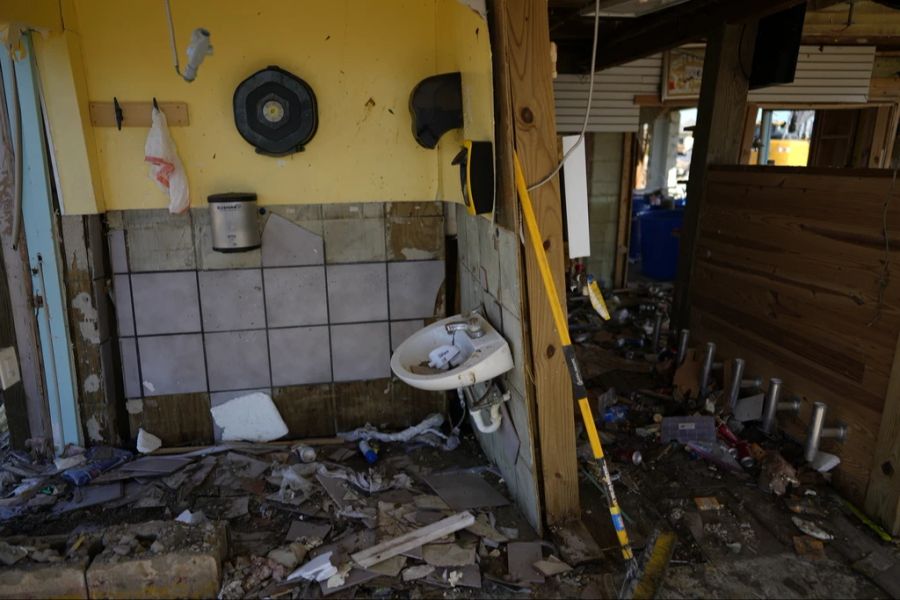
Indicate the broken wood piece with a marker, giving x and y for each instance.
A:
(551, 566)
(521, 559)
(413, 539)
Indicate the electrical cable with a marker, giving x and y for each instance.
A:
(587, 111)
(172, 37)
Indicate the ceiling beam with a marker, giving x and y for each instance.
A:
(632, 39)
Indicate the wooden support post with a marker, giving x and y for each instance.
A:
(721, 117)
(526, 49)
(883, 492)
(623, 230)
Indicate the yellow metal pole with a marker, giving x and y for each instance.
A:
(562, 327)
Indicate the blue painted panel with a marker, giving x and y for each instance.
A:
(40, 227)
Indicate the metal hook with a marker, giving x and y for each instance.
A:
(118, 110)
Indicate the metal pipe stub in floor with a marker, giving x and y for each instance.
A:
(817, 431)
(737, 378)
(684, 337)
(708, 358)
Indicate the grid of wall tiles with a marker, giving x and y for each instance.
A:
(332, 291)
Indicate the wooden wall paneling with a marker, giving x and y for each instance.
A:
(721, 119)
(882, 499)
(788, 271)
(527, 51)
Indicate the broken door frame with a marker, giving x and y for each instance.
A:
(40, 228)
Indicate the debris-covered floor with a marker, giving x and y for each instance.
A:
(290, 520)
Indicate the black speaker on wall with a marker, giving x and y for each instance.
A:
(777, 47)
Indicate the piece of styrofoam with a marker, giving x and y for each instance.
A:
(577, 199)
(251, 418)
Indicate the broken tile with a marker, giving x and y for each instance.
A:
(223, 508)
(307, 530)
(354, 240)
(417, 572)
(389, 568)
(155, 465)
(353, 578)
(448, 555)
(551, 566)
(91, 495)
(285, 244)
(296, 296)
(451, 577)
(521, 558)
(462, 490)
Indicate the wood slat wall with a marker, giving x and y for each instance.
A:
(612, 108)
(825, 74)
(788, 276)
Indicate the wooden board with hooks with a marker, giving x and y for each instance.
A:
(137, 114)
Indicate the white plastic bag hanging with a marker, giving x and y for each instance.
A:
(165, 166)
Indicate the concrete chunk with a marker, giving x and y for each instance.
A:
(188, 567)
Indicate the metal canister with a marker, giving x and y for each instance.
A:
(234, 222)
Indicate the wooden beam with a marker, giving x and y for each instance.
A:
(527, 51)
(504, 139)
(721, 118)
(667, 29)
(654, 101)
(623, 229)
(883, 493)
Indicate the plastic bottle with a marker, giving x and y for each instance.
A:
(368, 452)
(306, 454)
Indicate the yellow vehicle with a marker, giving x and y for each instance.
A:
(785, 153)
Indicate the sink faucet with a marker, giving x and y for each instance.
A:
(472, 327)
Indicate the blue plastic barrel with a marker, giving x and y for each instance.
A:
(639, 205)
(660, 242)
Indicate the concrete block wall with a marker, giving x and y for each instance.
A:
(603, 201)
(311, 318)
(489, 259)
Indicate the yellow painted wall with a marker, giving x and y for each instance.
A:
(362, 59)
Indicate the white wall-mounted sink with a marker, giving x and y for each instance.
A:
(483, 358)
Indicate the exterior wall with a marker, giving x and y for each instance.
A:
(489, 278)
(311, 318)
(605, 168)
